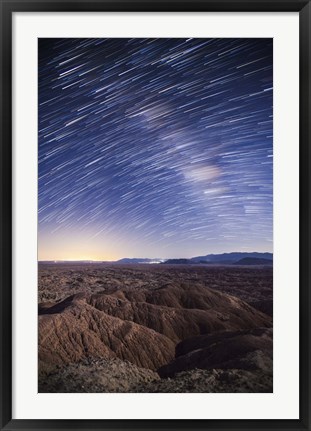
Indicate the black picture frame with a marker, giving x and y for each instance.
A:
(7, 9)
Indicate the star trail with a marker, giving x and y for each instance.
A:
(154, 147)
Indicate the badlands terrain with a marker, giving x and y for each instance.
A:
(155, 328)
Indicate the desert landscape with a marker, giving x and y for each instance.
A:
(107, 327)
(155, 214)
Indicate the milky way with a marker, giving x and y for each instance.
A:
(154, 147)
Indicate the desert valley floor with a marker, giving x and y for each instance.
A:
(155, 328)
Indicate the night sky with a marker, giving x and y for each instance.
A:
(154, 147)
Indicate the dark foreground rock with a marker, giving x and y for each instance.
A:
(115, 376)
(214, 380)
(110, 375)
(244, 350)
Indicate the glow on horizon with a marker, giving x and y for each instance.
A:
(71, 249)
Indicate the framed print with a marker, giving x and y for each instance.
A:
(155, 215)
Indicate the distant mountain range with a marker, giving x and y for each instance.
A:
(229, 258)
(254, 261)
(237, 258)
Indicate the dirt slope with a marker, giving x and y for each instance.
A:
(81, 331)
(247, 350)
